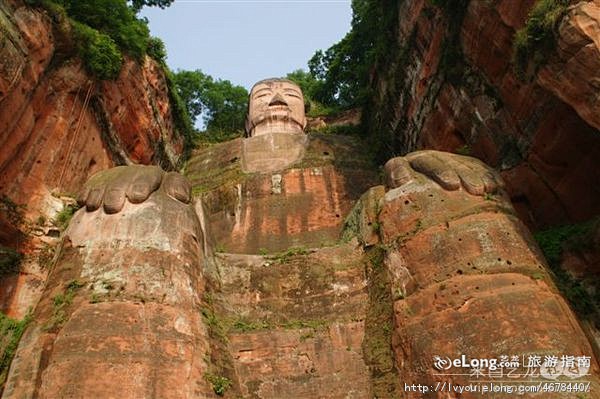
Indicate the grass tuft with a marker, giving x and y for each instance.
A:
(11, 331)
(533, 44)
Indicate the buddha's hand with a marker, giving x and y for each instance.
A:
(111, 188)
(451, 171)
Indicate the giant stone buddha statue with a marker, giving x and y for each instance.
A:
(453, 248)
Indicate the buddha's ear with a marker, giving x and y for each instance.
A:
(247, 126)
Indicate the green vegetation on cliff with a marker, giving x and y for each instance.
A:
(377, 345)
(11, 331)
(63, 217)
(60, 304)
(181, 117)
(103, 30)
(99, 51)
(10, 261)
(13, 212)
(219, 383)
(113, 18)
(536, 40)
(220, 373)
(369, 66)
(13, 215)
(575, 237)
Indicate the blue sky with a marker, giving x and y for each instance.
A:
(246, 41)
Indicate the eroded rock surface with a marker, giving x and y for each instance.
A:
(468, 280)
(58, 125)
(122, 303)
(301, 205)
(573, 75)
(296, 322)
(455, 89)
(435, 264)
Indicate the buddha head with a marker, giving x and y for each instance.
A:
(275, 106)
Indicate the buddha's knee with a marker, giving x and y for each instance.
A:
(467, 276)
(122, 301)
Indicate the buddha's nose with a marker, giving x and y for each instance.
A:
(277, 100)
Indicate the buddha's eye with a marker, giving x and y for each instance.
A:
(262, 93)
(294, 95)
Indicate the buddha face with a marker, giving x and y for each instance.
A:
(275, 106)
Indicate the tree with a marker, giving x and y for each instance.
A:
(222, 104)
(226, 106)
(114, 18)
(137, 5)
(343, 70)
(191, 86)
(305, 80)
(101, 54)
(156, 49)
(311, 87)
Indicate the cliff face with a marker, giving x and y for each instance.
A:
(453, 87)
(58, 125)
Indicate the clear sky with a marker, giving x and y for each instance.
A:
(245, 41)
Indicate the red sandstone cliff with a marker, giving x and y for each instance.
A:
(59, 125)
(542, 132)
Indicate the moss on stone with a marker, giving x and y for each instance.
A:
(63, 217)
(60, 305)
(220, 384)
(10, 261)
(216, 179)
(575, 237)
(216, 168)
(377, 345)
(533, 44)
(351, 228)
(14, 213)
(221, 370)
(287, 255)
(11, 331)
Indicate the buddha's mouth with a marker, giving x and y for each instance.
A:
(275, 116)
(275, 113)
(278, 110)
